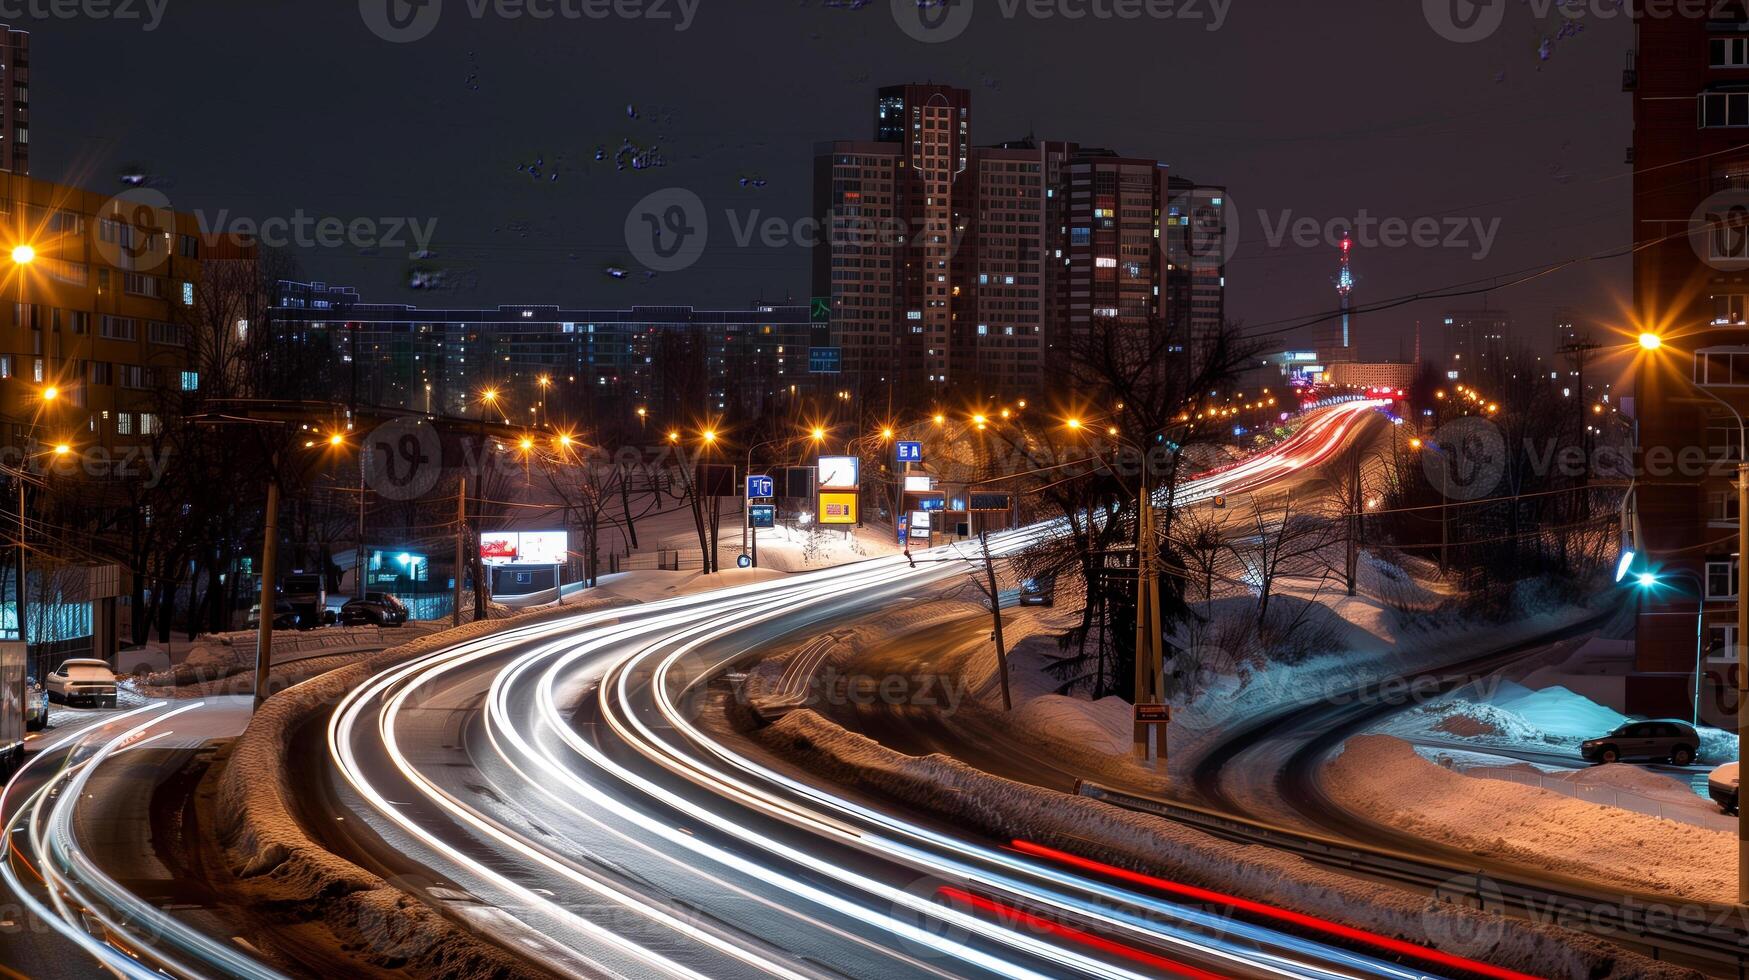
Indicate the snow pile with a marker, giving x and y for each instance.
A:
(277, 864)
(1383, 779)
(1499, 713)
(1006, 810)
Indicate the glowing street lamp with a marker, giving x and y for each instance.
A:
(23, 254)
(1650, 341)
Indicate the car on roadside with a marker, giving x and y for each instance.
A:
(1658, 740)
(1040, 590)
(84, 681)
(1721, 785)
(36, 705)
(375, 609)
(284, 618)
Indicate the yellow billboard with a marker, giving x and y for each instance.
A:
(837, 508)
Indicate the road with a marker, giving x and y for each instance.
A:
(547, 787)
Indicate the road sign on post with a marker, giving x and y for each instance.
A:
(763, 515)
(1153, 714)
(761, 488)
(821, 310)
(910, 452)
(825, 360)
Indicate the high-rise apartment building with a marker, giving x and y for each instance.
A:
(951, 266)
(14, 101)
(1689, 81)
(1475, 342)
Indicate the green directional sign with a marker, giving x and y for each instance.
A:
(821, 311)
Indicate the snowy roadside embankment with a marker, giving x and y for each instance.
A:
(1385, 780)
(276, 864)
(1499, 713)
(1006, 810)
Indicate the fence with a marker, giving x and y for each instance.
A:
(661, 561)
(1601, 795)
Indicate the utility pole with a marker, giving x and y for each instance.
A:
(461, 534)
(1353, 518)
(23, 590)
(1742, 676)
(996, 613)
(269, 584)
(1149, 659)
(358, 570)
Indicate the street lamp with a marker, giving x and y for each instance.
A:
(1650, 581)
(23, 254)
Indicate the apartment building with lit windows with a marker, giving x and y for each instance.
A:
(1688, 77)
(100, 295)
(14, 101)
(974, 269)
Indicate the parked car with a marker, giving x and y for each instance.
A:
(1721, 785)
(283, 616)
(83, 681)
(36, 705)
(1039, 591)
(1646, 740)
(308, 594)
(375, 609)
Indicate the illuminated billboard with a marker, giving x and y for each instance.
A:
(837, 508)
(525, 547)
(839, 473)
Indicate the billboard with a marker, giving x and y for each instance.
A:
(839, 472)
(837, 508)
(919, 484)
(524, 547)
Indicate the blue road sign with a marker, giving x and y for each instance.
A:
(760, 487)
(910, 452)
(825, 360)
(762, 515)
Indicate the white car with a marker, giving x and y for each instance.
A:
(83, 681)
(1721, 785)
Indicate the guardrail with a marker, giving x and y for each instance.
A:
(1664, 927)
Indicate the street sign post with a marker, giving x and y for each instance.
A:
(763, 516)
(825, 360)
(761, 488)
(910, 452)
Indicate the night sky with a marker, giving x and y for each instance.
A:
(275, 108)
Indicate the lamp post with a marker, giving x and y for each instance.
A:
(1651, 580)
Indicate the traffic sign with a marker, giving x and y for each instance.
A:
(1153, 714)
(744, 561)
(761, 488)
(933, 503)
(762, 515)
(821, 311)
(910, 452)
(825, 360)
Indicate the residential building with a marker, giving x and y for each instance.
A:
(1689, 81)
(1474, 339)
(585, 366)
(14, 101)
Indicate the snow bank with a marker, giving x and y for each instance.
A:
(1007, 810)
(1501, 713)
(1385, 780)
(258, 813)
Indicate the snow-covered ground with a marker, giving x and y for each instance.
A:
(1499, 713)
(1386, 780)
